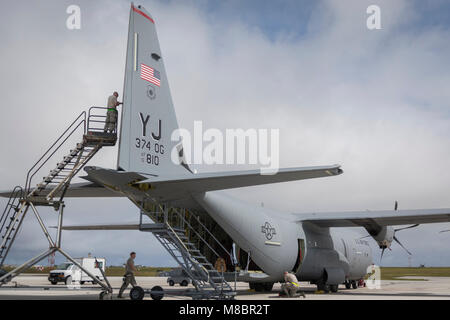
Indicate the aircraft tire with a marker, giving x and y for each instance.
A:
(261, 286)
(258, 287)
(268, 286)
(137, 293)
(154, 295)
(321, 286)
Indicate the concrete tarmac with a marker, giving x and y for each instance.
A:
(37, 287)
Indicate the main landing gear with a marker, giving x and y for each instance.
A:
(351, 284)
(261, 286)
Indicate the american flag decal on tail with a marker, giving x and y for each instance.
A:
(151, 75)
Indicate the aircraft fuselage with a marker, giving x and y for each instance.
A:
(278, 243)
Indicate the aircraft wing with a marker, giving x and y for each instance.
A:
(381, 218)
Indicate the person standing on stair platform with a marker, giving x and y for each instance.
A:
(128, 278)
(111, 114)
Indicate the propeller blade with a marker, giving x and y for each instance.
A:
(444, 231)
(413, 226)
(396, 240)
(396, 205)
(382, 252)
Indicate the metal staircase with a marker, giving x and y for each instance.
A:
(60, 177)
(208, 282)
(9, 221)
(50, 191)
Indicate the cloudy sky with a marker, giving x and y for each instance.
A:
(375, 101)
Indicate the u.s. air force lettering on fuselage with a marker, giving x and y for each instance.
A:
(149, 141)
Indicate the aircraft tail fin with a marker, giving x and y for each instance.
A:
(148, 115)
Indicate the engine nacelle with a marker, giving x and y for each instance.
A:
(383, 236)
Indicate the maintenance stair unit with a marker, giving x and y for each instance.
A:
(50, 191)
(183, 241)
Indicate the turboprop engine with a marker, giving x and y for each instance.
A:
(385, 235)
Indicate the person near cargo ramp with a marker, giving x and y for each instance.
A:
(128, 278)
(291, 286)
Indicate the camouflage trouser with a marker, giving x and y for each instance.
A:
(289, 289)
(111, 121)
(127, 279)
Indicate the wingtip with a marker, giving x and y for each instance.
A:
(338, 169)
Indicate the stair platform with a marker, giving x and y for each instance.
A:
(93, 138)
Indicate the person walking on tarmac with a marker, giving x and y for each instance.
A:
(291, 286)
(111, 114)
(128, 278)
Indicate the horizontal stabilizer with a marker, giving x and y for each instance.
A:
(176, 187)
(102, 227)
(112, 183)
(78, 190)
(238, 179)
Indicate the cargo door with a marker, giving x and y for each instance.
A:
(300, 255)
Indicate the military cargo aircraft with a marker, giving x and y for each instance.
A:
(264, 242)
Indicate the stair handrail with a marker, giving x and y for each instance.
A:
(76, 168)
(81, 119)
(215, 239)
(204, 241)
(176, 210)
(182, 243)
(92, 119)
(16, 193)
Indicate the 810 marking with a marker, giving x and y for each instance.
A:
(145, 145)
